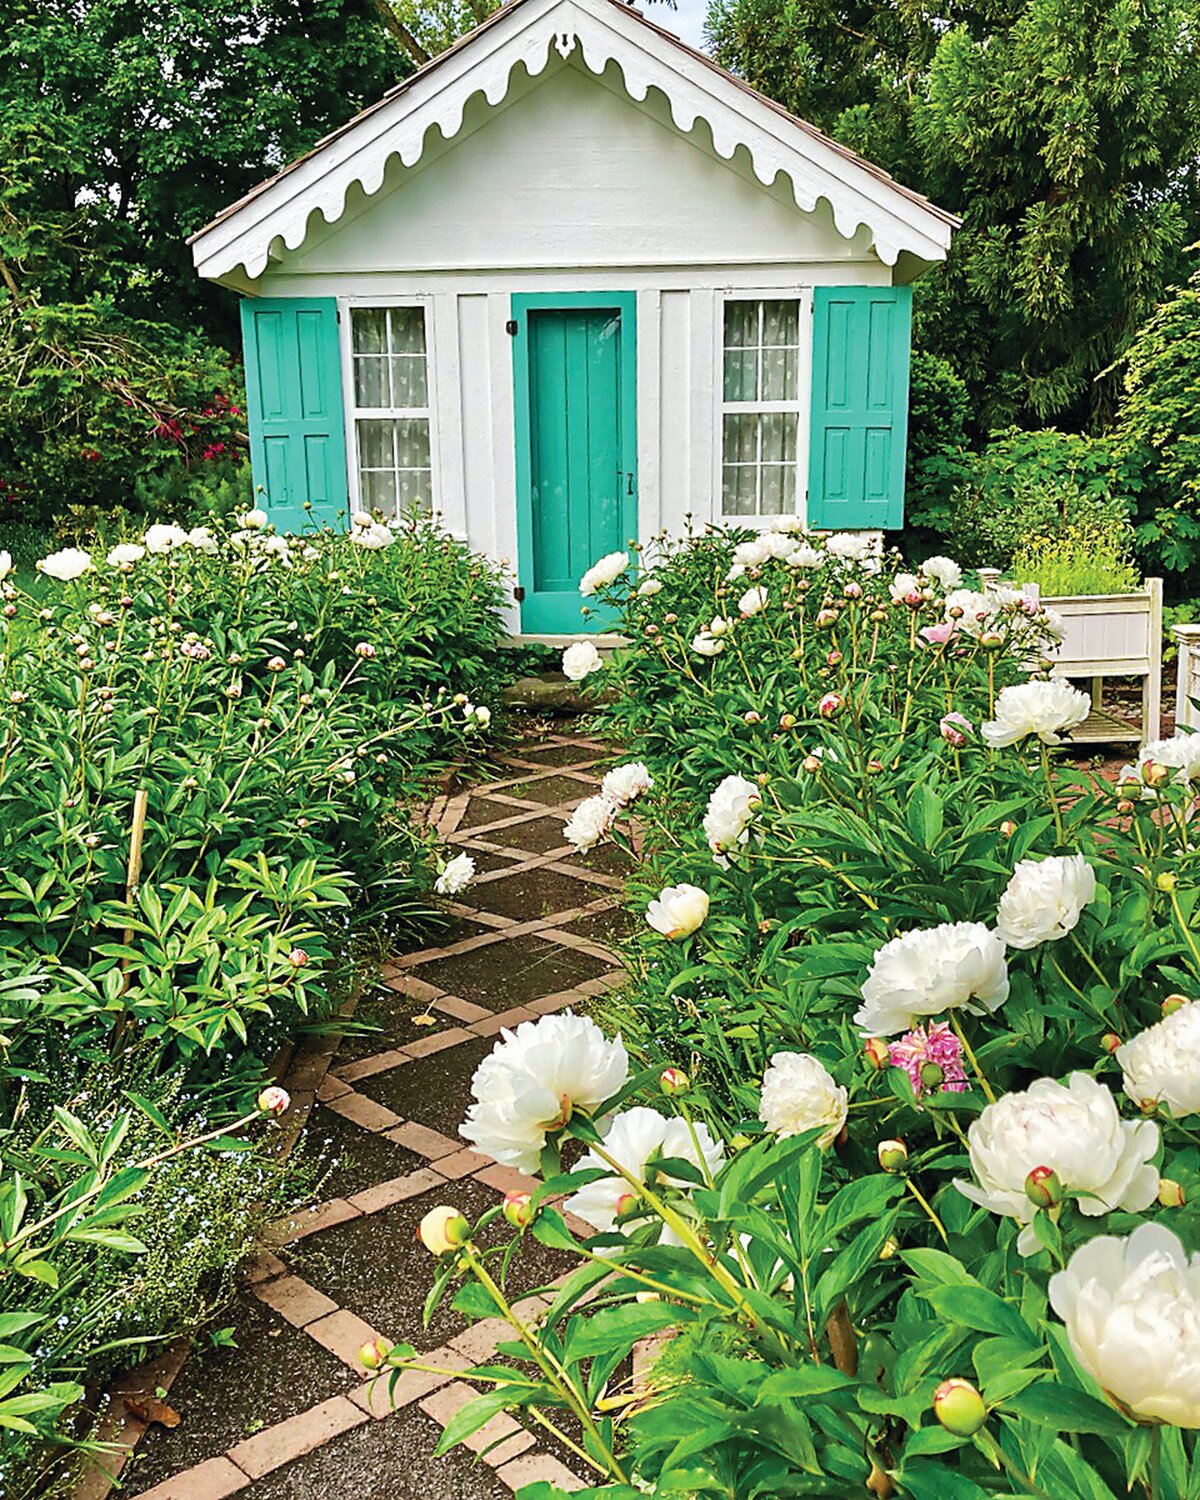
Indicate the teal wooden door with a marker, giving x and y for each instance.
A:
(576, 403)
(294, 400)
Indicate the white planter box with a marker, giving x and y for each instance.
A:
(1187, 689)
(1111, 635)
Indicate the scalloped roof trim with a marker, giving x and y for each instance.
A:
(278, 213)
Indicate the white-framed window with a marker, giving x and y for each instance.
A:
(763, 377)
(390, 408)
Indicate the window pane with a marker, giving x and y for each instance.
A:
(780, 374)
(408, 330)
(370, 381)
(781, 322)
(412, 443)
(739, 485)
(741, 374)
(740, 439)
(409, 386)
(377, 491)
(741, 325)
(778, 489)
(375, 449)
(369, 330)
(779, 437)
(415, 490)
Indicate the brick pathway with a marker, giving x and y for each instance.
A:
(290, 1412)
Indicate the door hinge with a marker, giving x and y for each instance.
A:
(511, 328)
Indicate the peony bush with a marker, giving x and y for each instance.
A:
(211, 741)
(913, 1006)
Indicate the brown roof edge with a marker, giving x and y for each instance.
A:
(469, 37)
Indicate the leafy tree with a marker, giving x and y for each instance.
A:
(1158, 429)
(1065, 132)
(124, 127)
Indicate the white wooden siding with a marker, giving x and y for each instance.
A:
(570, 186)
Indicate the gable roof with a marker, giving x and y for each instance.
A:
(240, 240)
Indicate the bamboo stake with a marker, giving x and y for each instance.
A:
(133, 873)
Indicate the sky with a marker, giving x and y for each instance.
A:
(686, 20)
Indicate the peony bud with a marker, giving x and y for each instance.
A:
(787, 721)
(1043, 1187)
(932, 1075)
(959, 1407)
(1110, 1041)
(830, 705)
(1008, 828)
(518, 1209)
(443, 1229)
(877, 1053)
(889, 1249)
(1170, 1193)
(373, 1354)
(853, 591)
(625, 1205)
(273, 1100)
(752, 717)
(673, 1081)
(892, 1155)
(297, 958)
(1173, 1003)
(1154, 774)
(1166, 882)
(365, 650)
(276, 664)
(834, 659)
(811, 763)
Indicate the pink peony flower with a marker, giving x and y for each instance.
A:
(954, 729)
(939, 635)
(922, 1052)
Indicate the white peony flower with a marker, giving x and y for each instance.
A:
(776, 543)
(720, 625)
(798, 1094)
(277, 546)
(1047, 708)
(751, 554)
(604, 572)
(648, 588)
(1074, 1129)
(1131, 1308)
(1180, 753)
(580, 660)
(976, 610)
(362, 518)
(202, 539)
(931, 970)
(678, 910)
(125, 554)
(943, 570)
(637, 1138)
(255, 520)
(852, 546)
(69, 564)
(1161, 1065)
(456, 876)
(1043, 900)
(482, 715)
(805, 556)
(902, 585)
(753, 602)
(6, 564)
(588, 824)
(531, 1083)
(164, 537)
(707, 644)
(730, 809)
(624, 784)
(372, 538)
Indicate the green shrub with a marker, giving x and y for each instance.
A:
(94, 406)
(1085, 556)
(255, 717)
(915, 1220)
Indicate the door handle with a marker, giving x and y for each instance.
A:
(628, 477)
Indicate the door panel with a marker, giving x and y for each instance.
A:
(575, 412)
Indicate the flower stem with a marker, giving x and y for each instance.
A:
(972, 1059)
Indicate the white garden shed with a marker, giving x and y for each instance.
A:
(569, 285)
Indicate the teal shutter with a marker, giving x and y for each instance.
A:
(294, 400)
(861, 337)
